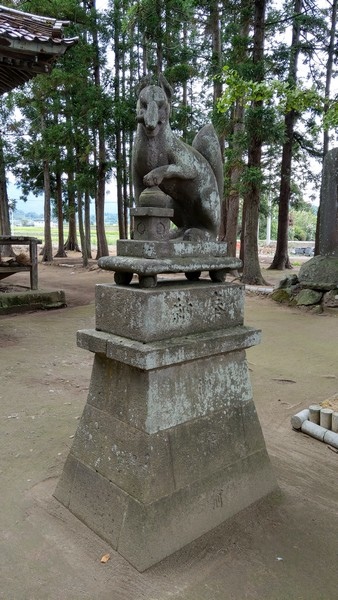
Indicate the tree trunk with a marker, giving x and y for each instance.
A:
(159, 38)
(217, 59)
(236, 170)
(87, 223)
(328, 79)
(71, 243)
(236, 165)
(281, 259)
(47, 255)
(61, 239)
(5, 223)
(118, 132)
(82, 230)
(102, 246)
(251, 268)
(329, 65)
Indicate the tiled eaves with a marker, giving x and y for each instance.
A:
(18, 25)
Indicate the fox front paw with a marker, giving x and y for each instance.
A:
(152, 179)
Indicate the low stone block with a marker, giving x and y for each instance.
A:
(152, 532)
(119, 390)
(138, 463)
(154, 355)
(203, 446)
(168, 311)
(177, 395)
(98, 503)
(155, 400)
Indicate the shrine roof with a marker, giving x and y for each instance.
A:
(29, 44)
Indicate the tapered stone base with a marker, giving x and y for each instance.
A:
(169, 444)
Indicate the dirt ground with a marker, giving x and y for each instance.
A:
(283, 548)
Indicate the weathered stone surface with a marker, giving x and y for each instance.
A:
(92, 340)
(168, 311)
(191, 176)
(169, 444)
(330, 299)
(288, 282)
(203, 446)
(144, 266)
(282, 295)
(153, 196)
(151, 223)
(320, 272)
(31, 300)
(253, 436)
(151, 211)
(307, 297)
(217, 381)
(98, 503)
(169, 249)
(193, 510)
(93, 499)
(154, 355)
(147, 533)
(160, 399)
(138, 463)
(328, 222)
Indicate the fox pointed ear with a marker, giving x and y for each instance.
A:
(144, 82)
(165, 86)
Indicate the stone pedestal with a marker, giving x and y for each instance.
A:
(169, 444)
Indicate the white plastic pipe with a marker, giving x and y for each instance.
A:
(314, 430)
(299, 418)
(331, 438)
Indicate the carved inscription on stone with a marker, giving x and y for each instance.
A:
(220, 303)
(182, 310)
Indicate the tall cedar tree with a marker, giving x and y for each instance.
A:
(251, 269)
(281, 259)
(331, 54)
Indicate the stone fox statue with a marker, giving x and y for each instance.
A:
(191, 175)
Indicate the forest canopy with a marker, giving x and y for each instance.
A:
(261, 71)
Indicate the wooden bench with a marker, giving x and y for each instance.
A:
(32, 267)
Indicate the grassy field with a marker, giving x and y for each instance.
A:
(38, 232)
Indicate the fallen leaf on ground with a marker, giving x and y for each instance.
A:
(105, 558)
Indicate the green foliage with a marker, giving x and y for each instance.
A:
(174, 36)
(281, 94)
(303, 225)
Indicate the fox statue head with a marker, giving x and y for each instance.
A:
(153, 105)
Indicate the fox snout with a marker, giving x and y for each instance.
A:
(150, 116)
